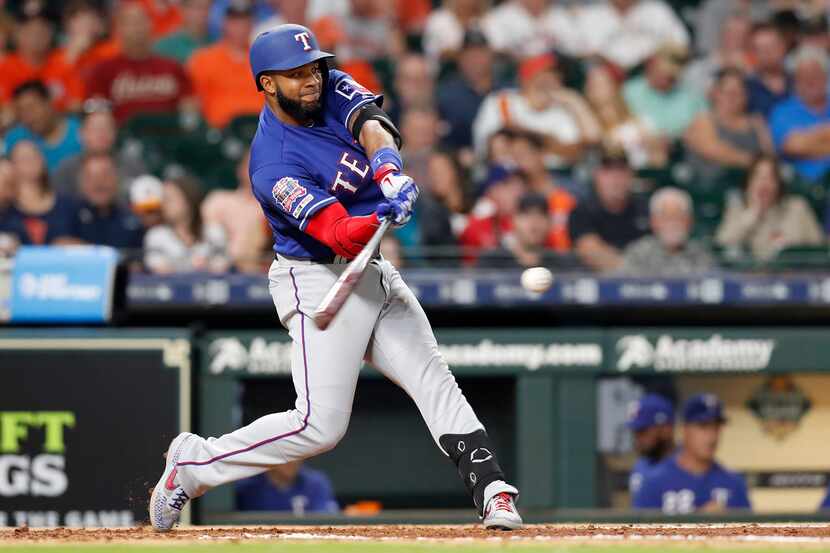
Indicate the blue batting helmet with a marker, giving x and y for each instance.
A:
(284, 47)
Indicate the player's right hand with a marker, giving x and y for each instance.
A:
(400, 208)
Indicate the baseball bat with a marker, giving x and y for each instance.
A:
(345, 285)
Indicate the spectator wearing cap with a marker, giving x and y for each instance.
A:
(263, 10)
(35, 59)
(622, 130)
(97, 135)
(136, 80)
(446, 29)
(770, 82)
(529, 155)
(602, 226)
(651, 420)
(146, 197)
(101, 219)
(239, 215)
(692, 480)
(191, 35)
(491, 219)
(220, 73)
(526, 245)
(766, 220)
(542, 105)
(660, 98)
(460, 97)
(624, 32)
(668, 251)
(726, 136)
(56, 135)
(801, 124)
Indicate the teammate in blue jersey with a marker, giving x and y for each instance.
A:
(290, 487)
(651, 419)
(825, 504)
(326, 169)
(691, 480)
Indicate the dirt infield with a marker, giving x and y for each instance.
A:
(805, 533)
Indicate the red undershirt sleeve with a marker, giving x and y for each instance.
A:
(344, 234)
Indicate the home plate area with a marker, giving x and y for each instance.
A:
(595, 533)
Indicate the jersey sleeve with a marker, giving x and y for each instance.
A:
(288, 192)
(345, 95)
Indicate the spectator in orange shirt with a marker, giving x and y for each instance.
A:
(529, 153)
(220, 73)
(34, 59)
(165, 16)
(136, 80)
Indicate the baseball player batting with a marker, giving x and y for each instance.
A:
(326, 169)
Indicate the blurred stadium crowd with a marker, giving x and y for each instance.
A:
(637, 137)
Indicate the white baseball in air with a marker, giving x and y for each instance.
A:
(537, 279)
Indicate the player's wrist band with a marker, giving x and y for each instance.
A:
(385, 161)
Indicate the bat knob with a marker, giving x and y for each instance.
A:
(322, 319)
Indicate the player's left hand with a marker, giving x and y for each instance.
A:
(400, 208)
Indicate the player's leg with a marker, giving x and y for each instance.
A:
(325, 366)
(403, 347)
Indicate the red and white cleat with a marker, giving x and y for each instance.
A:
(500, 512)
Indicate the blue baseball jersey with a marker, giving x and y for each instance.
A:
(826, 503)
(297, 171)
(641, 468)
(311, 492)
(674, 491)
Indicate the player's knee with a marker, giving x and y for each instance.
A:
(329, 430)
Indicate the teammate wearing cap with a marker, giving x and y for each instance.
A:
(691, 480)
(652, 421)
(325, 168)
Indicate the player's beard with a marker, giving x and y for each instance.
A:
(296, 109)
(661, 448)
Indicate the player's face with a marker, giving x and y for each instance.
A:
(299, 90)
(701, 439)
(655, 441)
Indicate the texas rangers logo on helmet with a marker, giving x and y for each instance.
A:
(287, 191)
(303, 37)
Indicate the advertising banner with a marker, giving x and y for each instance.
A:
(469, 351)
(63, 284)
(84, 422)
(714, 350)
